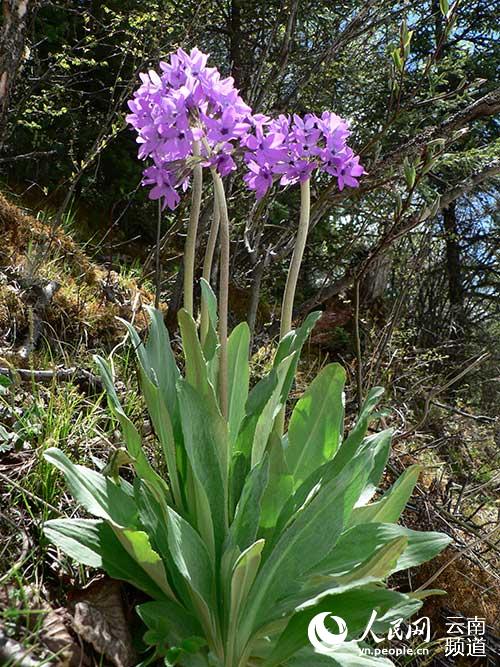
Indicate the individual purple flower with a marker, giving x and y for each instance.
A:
(259, 177)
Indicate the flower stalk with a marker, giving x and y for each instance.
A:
(207, 267)
(220, 196)
(157, 258)
(296, 261)
(194, 216)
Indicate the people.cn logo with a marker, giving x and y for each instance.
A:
(323, 640)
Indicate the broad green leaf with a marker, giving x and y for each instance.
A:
(245, 525)
(161, 358)
(100, 495)
(379, 564)
(205, 440)
(354, 606)
(194, 564)
(94, 543)
(163, 427)
(263, 406)
(153, 515)
(211, 342)
(243, 575)
(308, 490)
(137, 544)
(305, 542)
(292, 343)
(265, 421)
(355, 438)
(381, 445)
(357, 543)
(240, 467)
(390, 507)
(131, 435)
(238, 377)
(280, 486)
(315, 429)
(158, 362)
(169, 620)
(195, 362)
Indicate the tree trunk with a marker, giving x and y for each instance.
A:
(17, 16)
(236, 45)
(454, 267)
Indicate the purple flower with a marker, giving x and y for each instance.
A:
(186, 102)
(259, 177)
(292, 149)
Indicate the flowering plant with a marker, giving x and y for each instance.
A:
(243, 533)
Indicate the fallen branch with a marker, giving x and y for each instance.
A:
(79, 376)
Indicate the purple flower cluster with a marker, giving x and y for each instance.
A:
(187, 102)
(292, 148)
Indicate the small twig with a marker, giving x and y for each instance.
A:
(438, 391)
(11, 482)
(479, 418)
(458, 555)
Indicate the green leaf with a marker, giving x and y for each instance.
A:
(243, 575)
(94, 543)
(238, 377)
(205, 440)
(245, 525)
(380, 444)
(315, 429)
(161, 360)
(305, 542)
(100, 495)
(353, 442)
(390, 507)
(212, 341)
(168, 620)
(137, 544)
(355, 606)
(195, 362)
(265, 421)
(379, 564)
(444, 6)
(153, 514)
(280, 486)
(131, 435)
(357, 543)
(192, 559)
(292, 343)
(263, 406)
(164, 430)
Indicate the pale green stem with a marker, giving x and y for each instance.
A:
(296, 261)
(194, 216)
(157, 258)
(293, 274)
(207, 267)
(223, 289)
